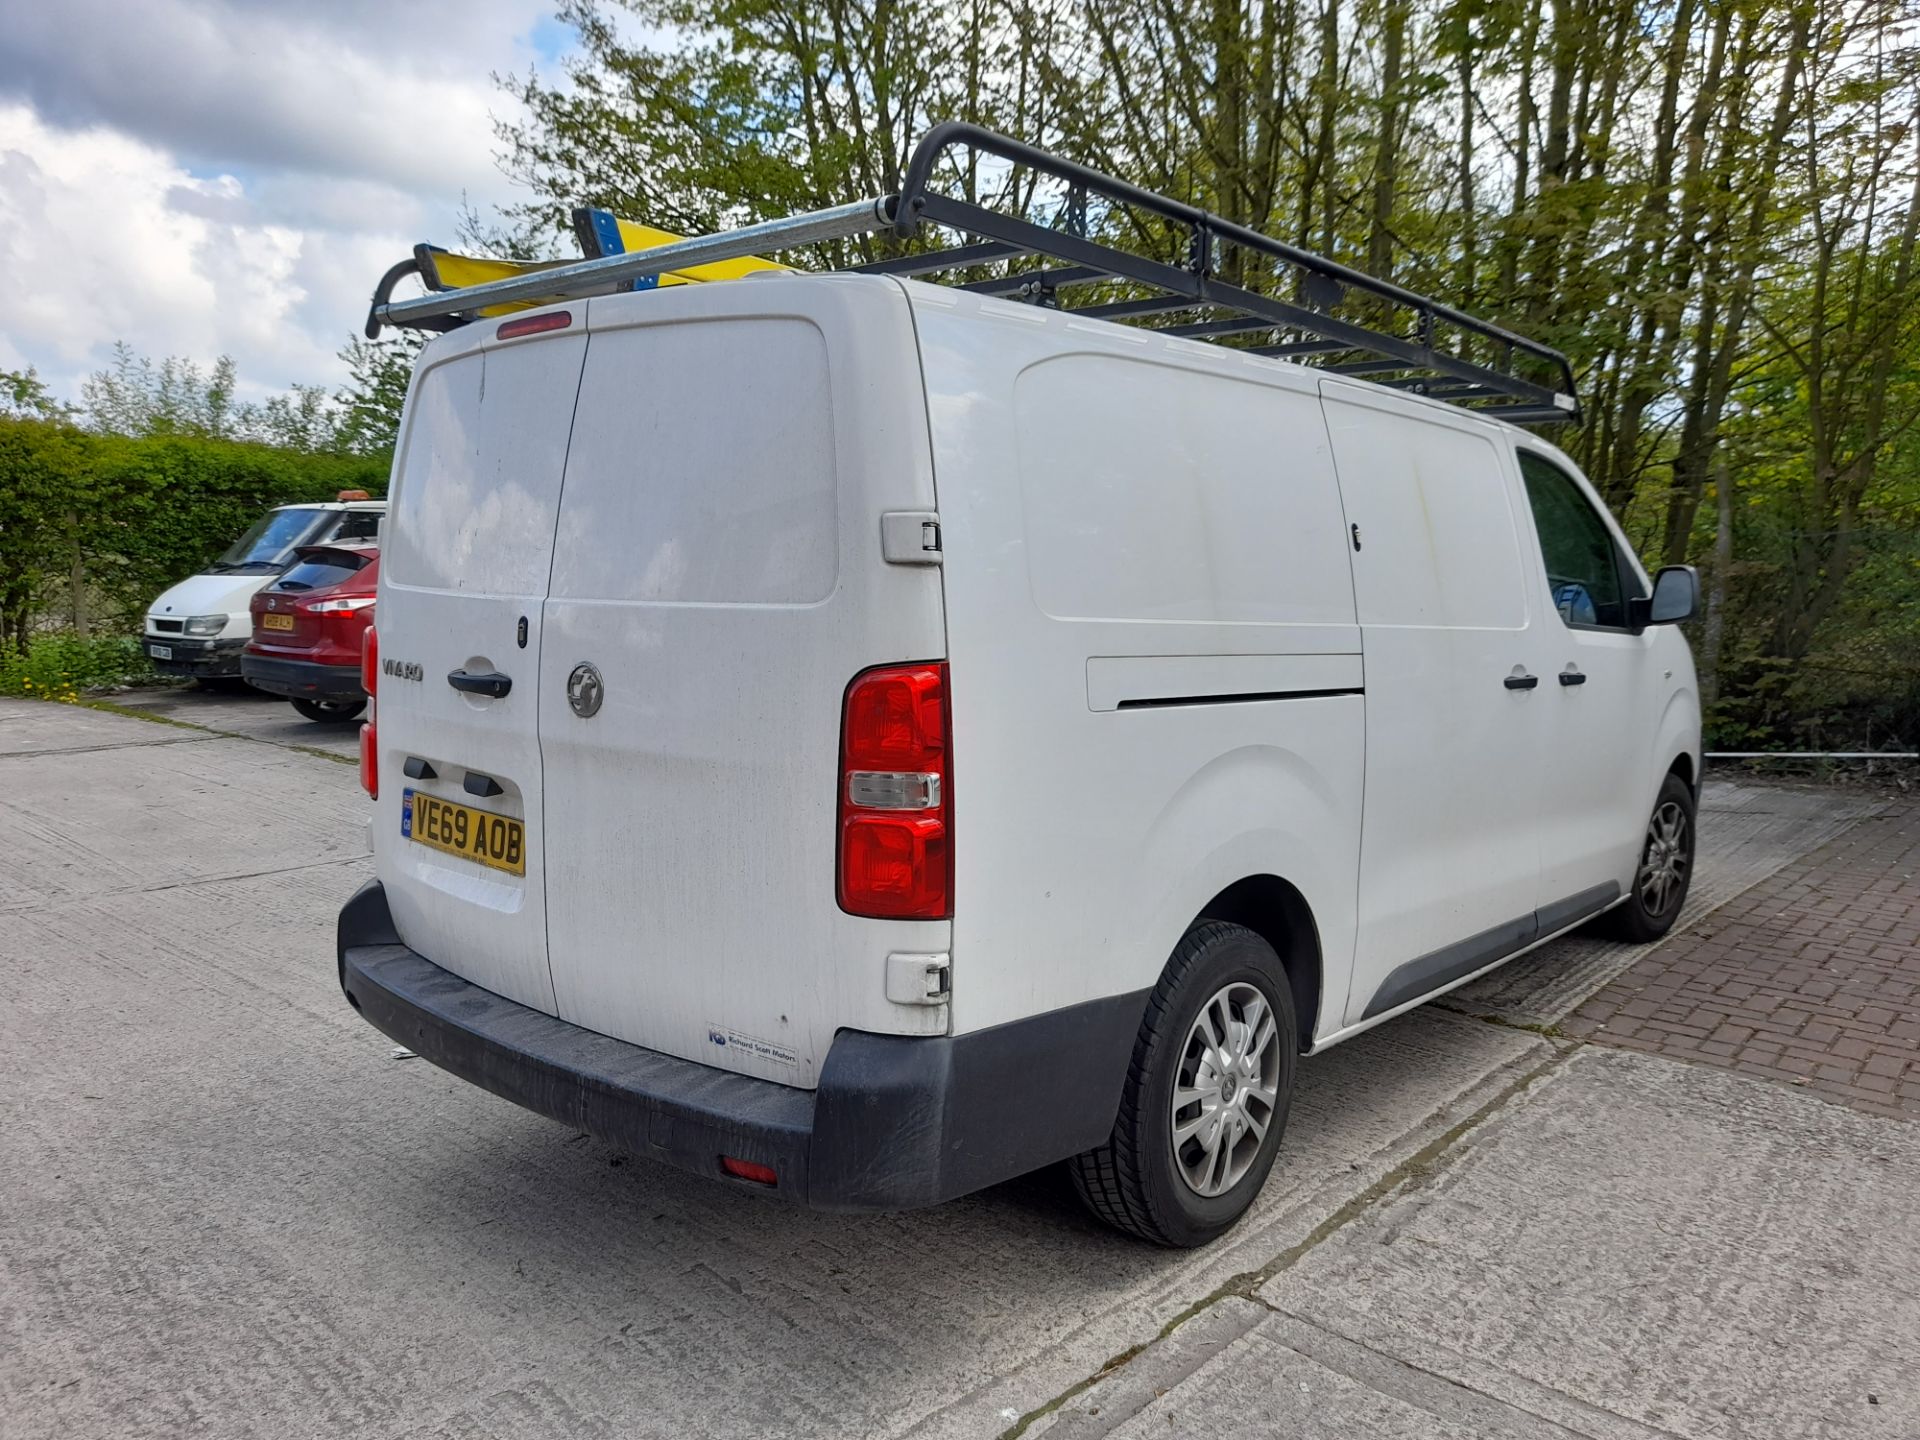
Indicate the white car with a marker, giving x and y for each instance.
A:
(199, 627)
(865, 740)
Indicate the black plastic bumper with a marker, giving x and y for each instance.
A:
(302, 679)
(203, 659)
(896, 1122)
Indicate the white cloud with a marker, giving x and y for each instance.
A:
(232, 176)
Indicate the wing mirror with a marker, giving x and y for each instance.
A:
(1676, 597)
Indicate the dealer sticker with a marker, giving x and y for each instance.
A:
(748, 1045)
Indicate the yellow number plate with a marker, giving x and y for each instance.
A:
(496, 841)
(276, 622)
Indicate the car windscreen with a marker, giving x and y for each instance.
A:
(271, 541)
(317, 569)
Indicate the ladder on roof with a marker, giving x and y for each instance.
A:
(1432, 349)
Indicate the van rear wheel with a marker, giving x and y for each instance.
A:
(1664, 872)
(1206, 1096)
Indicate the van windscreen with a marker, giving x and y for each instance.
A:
(270, 542)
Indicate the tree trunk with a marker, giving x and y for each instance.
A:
(1386, 158)
(1711, 632)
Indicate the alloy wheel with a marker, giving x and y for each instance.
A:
(1664, 860)
(1226, 1090)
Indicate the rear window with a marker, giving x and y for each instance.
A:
(316, 572)
(702, 467)
(478, 479)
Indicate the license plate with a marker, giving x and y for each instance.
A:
(276, 622)
(160, 652)
(496, 841)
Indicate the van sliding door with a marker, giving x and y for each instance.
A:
(1449, 849)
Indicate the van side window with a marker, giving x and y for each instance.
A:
(1589, 581)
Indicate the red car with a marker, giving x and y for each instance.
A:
(307, 627)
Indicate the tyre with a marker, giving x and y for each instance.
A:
(330, 712)
(1665, 870)
(1206, 1096)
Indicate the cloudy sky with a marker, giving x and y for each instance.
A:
(207, 177)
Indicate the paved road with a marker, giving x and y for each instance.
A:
(241, 711)
(227, 1208)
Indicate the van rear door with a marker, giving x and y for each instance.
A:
(468, 543)
(717, 581)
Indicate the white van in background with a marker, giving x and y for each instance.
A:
(199, 627)
(865, 740)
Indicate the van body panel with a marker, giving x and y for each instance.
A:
(718, 563)
(1087, 839)
(1452, 815)
(464, 563)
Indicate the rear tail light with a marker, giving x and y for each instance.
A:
(370, 759)
(896, 855)
(335, 607)
(369, 732)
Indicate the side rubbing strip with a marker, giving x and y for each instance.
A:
(1327, 662)
(1441, 967)
(1575, 908)
(1157, 701)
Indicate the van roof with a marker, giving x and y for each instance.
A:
(1235, 287)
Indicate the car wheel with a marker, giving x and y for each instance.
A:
(1664, 872)
(1206, 1097)
(330, 712)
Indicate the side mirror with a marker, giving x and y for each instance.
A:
(1676, 595)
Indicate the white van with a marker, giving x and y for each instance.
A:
(199, 627)
(866, 740)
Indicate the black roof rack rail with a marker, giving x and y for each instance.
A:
(1403, 343)
(1321, 283)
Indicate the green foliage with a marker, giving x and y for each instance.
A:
(368, 419)
(134, 515)
(59, 665)
(1710, 207)
(24, 395)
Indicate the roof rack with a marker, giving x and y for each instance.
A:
(1479, 368)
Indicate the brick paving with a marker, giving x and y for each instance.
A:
(1812, 977)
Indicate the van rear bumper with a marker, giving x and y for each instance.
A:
(896, 1121)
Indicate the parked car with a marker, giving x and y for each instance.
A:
(199, 627)
(1011, 738)
(307, 630)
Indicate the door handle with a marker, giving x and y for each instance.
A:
(1521, 682)
(1573, 677)
(486, 682)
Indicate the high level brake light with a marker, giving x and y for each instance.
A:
(896, 855)
(369, 734)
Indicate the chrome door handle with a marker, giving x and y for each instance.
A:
(1521, 682)
(1572, 677)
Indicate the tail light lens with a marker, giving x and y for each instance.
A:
(896, 855)
(369, 732)
(370, 759)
